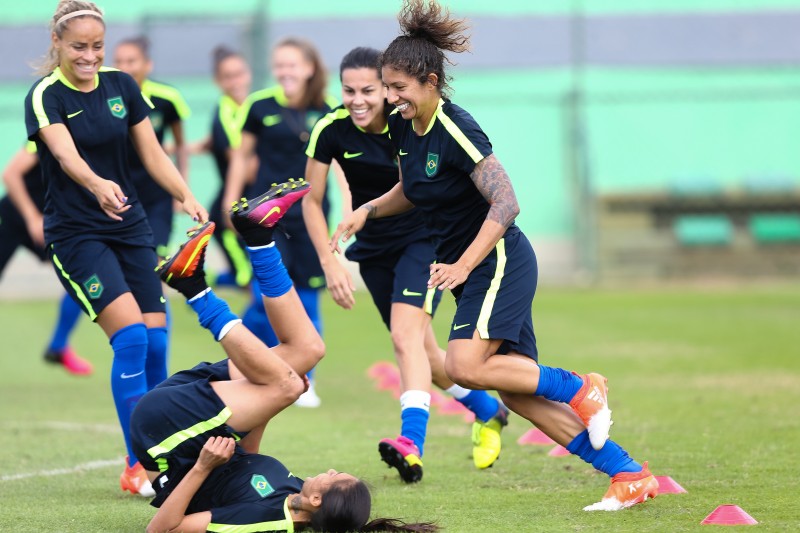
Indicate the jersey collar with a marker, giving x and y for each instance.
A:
(63, 79)
(362, 130)
(433, 118)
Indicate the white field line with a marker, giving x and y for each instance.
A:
(91, 465)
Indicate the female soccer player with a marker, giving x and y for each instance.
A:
(185, 430)
(275, 125)
(170, 110)
(21, 224)
(449, 172)
(82, 116)
(394, 255)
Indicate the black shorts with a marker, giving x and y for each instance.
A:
(299, 256)
(172, 423)
(96, 270)
(14, 233)
(496, 299)
(401, 277)
(159, 215)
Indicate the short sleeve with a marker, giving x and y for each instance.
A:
(139, 105)
(42, 107)
(249, 120)
(322, 142)
(472, 143)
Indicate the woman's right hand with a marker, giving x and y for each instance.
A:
(216, 452)
(35, 227)
(110, 197)
(348, 227)
(340, 284)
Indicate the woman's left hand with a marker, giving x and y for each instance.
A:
(446, 276)
(193, 208)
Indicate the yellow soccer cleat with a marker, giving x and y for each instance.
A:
(486, 441)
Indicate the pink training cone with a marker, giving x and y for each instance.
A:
(729, 515)
(451, 406)
(381, 368)
(667, 485)
(558, 451)
(535, 436)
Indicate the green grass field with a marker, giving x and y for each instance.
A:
(704, 383)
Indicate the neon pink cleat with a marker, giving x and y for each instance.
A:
(401, 453)
(72, 362)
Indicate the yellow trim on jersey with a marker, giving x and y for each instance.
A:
(244, 271)
(287, 524)
(436, 113)
(362, 130)
(75, 287)
(37, 98)
(167, 92)
(331, 101)
(324, 122)
(491, 293)
(458, 135)
(176, 439)
(428, 305)
(228, 117)
(30, 147)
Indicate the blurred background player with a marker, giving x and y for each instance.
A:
(449, 171)
(22, 224)
(276, 125)
(393, 255)
(233, 77)
(83, 118)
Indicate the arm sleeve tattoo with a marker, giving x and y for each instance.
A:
(492, 182)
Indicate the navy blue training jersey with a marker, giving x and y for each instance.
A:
(169, 107)
(369, 162)
(99, 123)
(436, 175)
(250, 490)
(282, 133)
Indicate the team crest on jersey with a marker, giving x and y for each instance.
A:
(432, 165)
(117, 107)
(93, 286)
(262, 486)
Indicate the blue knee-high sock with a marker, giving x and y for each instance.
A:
(213, 313)
(268, 269)
(128, 380)
(68, 314)
(481, 403)
(255, 318)
(156, 366)
(610, 459)
(557, 384)
(415, 407)
(310, 300)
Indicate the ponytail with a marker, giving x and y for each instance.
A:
(59, 23)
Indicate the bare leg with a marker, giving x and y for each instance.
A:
(436, 357)
(300, 344)
(408, 327)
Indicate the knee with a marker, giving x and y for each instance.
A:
(461, 373)
(315, 348)
(404, 342)
(290, 388)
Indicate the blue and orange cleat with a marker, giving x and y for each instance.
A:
(626, 490)
(184, 270)
(591, 405)
(254, 219)
(401, 453)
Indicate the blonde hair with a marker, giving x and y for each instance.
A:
(51, 60)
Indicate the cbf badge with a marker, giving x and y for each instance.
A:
(93, 286)
(262, 486)
(432, 165)
(117, 107)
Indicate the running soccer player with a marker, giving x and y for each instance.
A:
(394, 255)
(449, 172)
(82, 117)
(170, 110)
(186, 430)
(275, 126)
(232, 75)
(21, 224)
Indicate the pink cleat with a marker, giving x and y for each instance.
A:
(72, 362)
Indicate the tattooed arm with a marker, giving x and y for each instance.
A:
(492, 182)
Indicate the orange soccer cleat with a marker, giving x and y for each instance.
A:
(591, 405)
(626, 490)
(134, 479)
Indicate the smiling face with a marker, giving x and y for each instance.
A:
(234, 78)
(81, 49)
(363, 95)
(314, 488)
(292, 70)
(130, 59)
(414, 100)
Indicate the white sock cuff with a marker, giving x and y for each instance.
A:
(458, 392)
(227, 327)
(270, 245)
(199, 295)
(418, 399)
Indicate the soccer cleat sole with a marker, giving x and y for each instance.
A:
(410, 472)
(184, 263)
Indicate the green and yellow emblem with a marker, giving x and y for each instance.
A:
(262, 486)
(93, 286)
(432, 165)
(117, 107)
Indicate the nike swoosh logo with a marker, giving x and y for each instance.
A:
(75, 114)
(128, 376)
(275, 209)
(407, 292)
(271, 120)
(163, 300)
(401, 153)
(459, 326)
(348, 155)
(203, 240)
